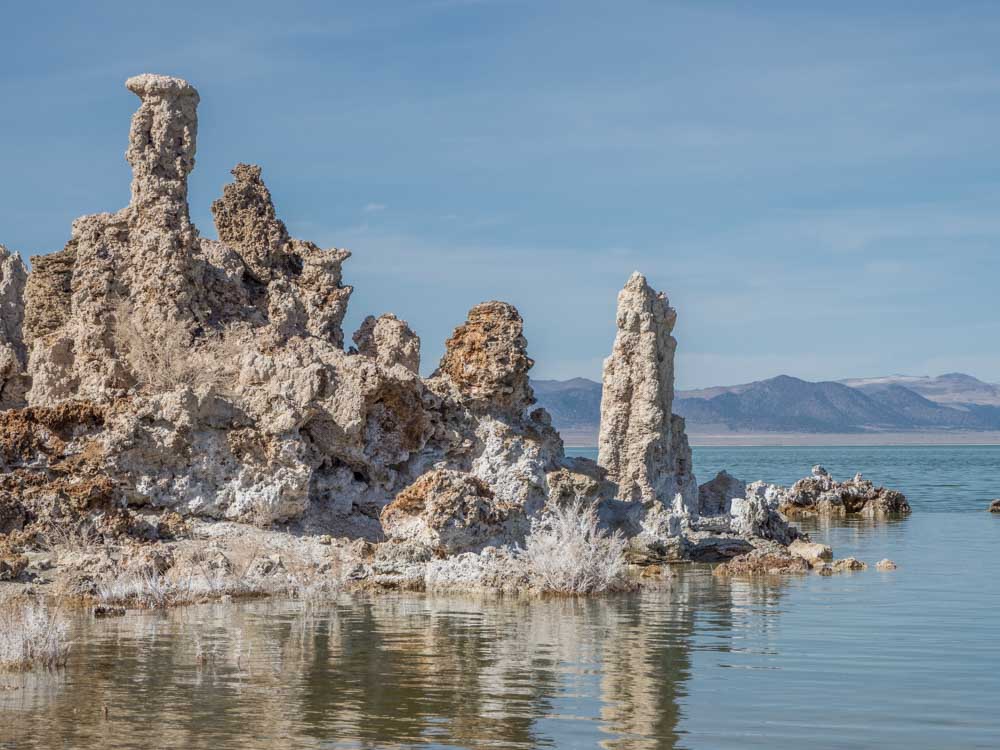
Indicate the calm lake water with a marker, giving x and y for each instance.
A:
(907, 659)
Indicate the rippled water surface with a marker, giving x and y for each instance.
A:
(907, 659)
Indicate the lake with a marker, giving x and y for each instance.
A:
(904, 659)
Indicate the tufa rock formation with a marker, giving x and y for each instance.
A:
(147, 371)
(486, 359)
(219, 371)
(13, 354)
(389, 341)
(642, 442)
(451, 512)
(821, 495)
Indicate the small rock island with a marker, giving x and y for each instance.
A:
(174, 408)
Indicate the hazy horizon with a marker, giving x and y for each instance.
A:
(779, 374)
(815, 189)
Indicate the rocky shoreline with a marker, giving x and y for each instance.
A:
(180, 419)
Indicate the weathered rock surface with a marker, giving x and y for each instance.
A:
(451, 512)
(757, 514)
(156, 373)
(995, 506)
(389, 341)
(885, 565)
(486, 360)
(763, 562)
(642, 443)
(848, 565)
(821, 495)
(13, 354)
(811, 552)
(716, 496)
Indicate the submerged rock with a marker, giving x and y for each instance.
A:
(766, 561)
(848, 565)
(811, 552)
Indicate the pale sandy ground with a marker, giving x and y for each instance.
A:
(587, 439)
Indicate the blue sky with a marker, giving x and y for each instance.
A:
(818, 190)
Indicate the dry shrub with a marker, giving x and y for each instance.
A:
(173, 358)
(32, 634)
(567, 553)
(244, 572)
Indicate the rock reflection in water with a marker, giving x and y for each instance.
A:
(376, 672)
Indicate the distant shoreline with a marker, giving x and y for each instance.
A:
(588, 439)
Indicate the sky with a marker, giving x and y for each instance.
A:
(816, 189)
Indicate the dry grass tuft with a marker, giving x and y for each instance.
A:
(174, 359)
(32, 634)
(567, 553)
(245, 572)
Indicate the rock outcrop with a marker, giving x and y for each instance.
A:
(821, 495)
(995, 506)
(642, 442)
(389, 341)
(153, 372)
(451, 512)
(486, 360)
(763, 562)
(811, 552)
(13, 354)
(643, 448)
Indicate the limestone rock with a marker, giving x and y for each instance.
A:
(139, 263)
(848, 565)
(297, 283)
(181, 378)
(52, 476)
(578, 480)
(13, 354)
(716, 496)
(885, 565)
(389, 341)
(820, 494)
(757, 515)
(811, 552)
(246, 221)
(763, 562)
(486, 359)
(642, 443)
(451, 512)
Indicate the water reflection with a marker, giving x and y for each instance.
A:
(385, 671)
(904, 660)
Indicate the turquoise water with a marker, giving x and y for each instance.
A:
(934, 478)
(908, 659)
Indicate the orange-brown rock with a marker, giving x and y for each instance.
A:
(486, 359)
(763, 562)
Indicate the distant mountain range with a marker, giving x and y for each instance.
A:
(899, 403)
